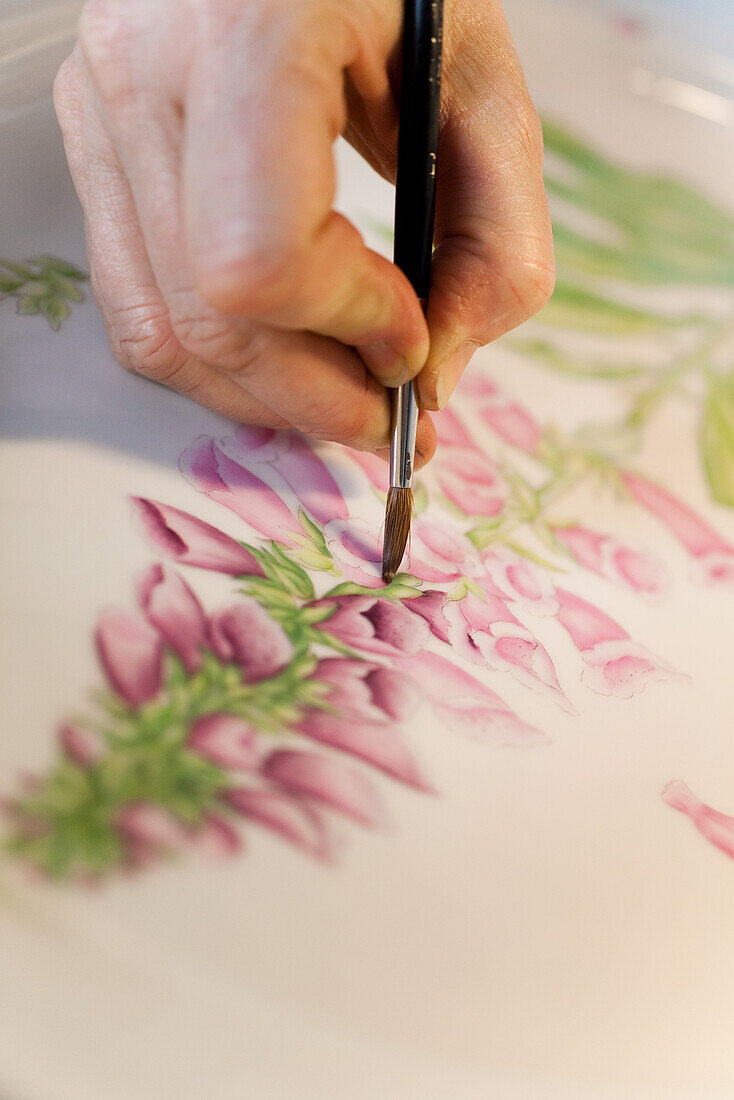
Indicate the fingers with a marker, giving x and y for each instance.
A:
(264, 105)
(262, 376)
(425, 442)
(136, 318)
(493, 264)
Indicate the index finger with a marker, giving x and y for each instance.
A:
(264, 106)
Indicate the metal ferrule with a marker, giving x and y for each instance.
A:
(402, 440)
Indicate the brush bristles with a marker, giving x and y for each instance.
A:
(398, 512)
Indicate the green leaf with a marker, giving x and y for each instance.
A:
(486, 532)
(35, 288)
(526, 552)
(565, 363)
(28, 306)
(660, 231)
(55, 310)
(60, 267)
(717, 438)
(311, 615)
(420, 498)
(18, 269)
(270, 593)
(312, 531)
(403, 586)
(282, 572)
(582, 310)
(522, 496)
(65, 288)
(9, 285)
(463, 587)
(546, 534)
(297, 578)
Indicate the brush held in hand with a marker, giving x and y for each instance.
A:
(415, 201)
(398, 513)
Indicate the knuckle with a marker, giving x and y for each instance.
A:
(146, 342)
(103, 33)
(215, 340)
(113, 39)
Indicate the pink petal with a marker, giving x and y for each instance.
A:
(192, 542)
(348, 624)
(260, 444)
(151, 825)
(363, 690)
(327, 780)
(716, 827)
(465, 704)
(232, 484)
(226, 740)
(623, 668)
(172, 608)
(375, 468)
(439, 554)
(603, 555)
(640, 572)
(378, 744)
(469, 480)
(473, 497)
(131, 655)
(356, 550)
(214, 837)
(80, 745)
(450, 430)
(513, 424)
(350, 693)
(394, 695)
(296, 462)
(289, 817)
(310, 479)
(245, 634)
(431, 606)
(693, 532)
(395, 628)
(715, 567)
(587, 625)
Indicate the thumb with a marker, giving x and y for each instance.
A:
(493, 264)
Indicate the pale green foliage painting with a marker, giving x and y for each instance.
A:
(42, 285)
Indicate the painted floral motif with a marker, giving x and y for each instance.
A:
(43, 285)
(291, 706)
(716, 827)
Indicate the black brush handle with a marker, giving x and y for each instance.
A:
(415, 196)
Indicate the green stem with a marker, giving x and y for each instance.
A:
(648, 401)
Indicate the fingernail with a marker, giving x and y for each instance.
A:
(452, 371)
(387, 364)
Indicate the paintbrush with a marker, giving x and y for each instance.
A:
(415, 202)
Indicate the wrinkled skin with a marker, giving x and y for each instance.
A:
(200, 139)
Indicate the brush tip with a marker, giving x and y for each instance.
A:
(398, 512)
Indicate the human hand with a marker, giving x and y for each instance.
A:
(200, 137)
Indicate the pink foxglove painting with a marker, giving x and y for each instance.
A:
(281, 707)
